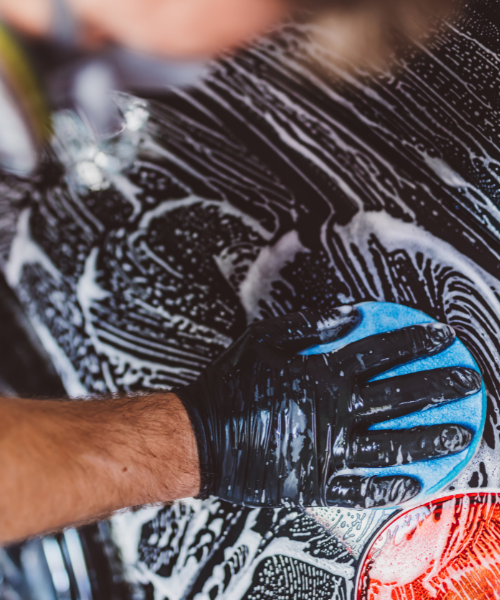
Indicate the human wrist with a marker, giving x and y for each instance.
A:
(186, 470)
(162, 452)
(196, 401)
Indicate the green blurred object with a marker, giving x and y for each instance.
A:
(39, 76)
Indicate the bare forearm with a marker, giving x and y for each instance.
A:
(70, 462)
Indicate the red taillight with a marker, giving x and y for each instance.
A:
(447, 549)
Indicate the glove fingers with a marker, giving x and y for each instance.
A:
(390, 398)
(298, 331)
(368, 492)
(378, 353)
(390, 447)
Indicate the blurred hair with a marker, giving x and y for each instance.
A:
(365, 32)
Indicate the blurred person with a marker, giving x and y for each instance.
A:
(206, 28)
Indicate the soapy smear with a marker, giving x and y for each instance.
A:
(448, 549)
(268, 154)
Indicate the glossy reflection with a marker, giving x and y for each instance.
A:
(448, 549)
(276, 428)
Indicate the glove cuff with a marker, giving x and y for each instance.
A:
(187, 395)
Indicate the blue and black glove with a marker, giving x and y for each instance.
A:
(277, 428)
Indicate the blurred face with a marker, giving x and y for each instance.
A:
(180, 27)
(176, 28)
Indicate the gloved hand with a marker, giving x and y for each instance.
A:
(275, 428)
